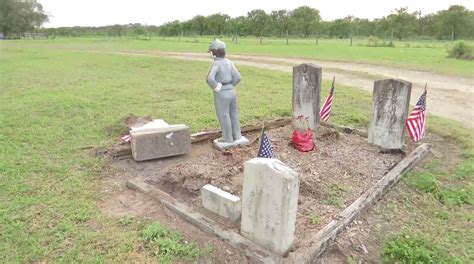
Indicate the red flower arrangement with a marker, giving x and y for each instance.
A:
(303, 141)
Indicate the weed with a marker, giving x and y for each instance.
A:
(455, 195)
(335, 195)
(416, 249)
(314, 219)
(448, 195)
(461, 51)
(466, 169)
(168, 245)
(126, 220)
(350, 260)
(442, 215)
(424, 181)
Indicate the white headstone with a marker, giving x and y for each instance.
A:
(269, 204)
(221, 202)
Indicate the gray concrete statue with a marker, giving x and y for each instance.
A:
(222, 79)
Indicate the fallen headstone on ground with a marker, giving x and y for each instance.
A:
(158, 139)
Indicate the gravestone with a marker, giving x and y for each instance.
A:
(221, 202)
(159, 141)
(391, 99)
(306, 95)
(269, 204)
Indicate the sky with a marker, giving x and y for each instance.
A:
(148, 12)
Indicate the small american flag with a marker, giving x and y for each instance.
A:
(265, 150)
(416, 122)
(126, 138)
(325, 112)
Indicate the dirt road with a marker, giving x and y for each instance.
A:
(448, 96)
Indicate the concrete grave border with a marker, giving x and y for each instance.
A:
(252, 250)
(329, 233)
(320, 240)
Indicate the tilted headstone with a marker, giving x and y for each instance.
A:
(391, 99)
(306, 95)
(269, 204)
(160, 141)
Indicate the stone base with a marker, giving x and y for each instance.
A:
(224, 145)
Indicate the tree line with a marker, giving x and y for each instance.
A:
(456, 22)
(20, 16)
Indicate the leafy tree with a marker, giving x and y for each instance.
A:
(19, 16)
(427, 25)
(138, 30)
(341, 28)
(153, 30)
(116, 30)
(216, 23)
(258, 20)
(237, 26)
(199, 24)
(305, 19)
(454, 21)
(186, 27)
(402, 23)
(171, 28)
(363, 27)
(383, 27)
(281, 22)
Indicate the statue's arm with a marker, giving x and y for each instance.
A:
(235, 75)
(211, 76)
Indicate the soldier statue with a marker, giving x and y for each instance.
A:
(222, 79)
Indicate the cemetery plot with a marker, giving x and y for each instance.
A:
(334, 175)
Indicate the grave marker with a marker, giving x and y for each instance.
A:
(391, 99)
(269, 204)
(160, 142)
(221, 202)
(306, 95)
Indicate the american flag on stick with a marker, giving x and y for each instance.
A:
(265, 150)
(325, 112)
(416, 122)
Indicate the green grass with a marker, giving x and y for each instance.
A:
(440, 220)
(407, 249)
(451, 186)
(420, 55)
(335, 195)
(54, 102)
(314, 219)
(168, 245)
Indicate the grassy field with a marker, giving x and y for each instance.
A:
(418, 55)
(54, 102)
